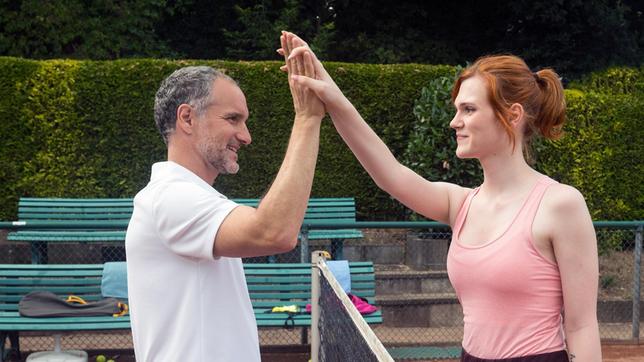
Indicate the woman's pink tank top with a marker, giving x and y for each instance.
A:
(511, 295)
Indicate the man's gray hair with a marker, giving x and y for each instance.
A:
(188, 85)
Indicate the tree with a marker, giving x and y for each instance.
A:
(255, 35)
(102, 29)
(573, 36)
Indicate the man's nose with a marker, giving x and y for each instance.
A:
(244, 135)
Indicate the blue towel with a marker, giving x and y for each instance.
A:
(114, 282)
(341, 272)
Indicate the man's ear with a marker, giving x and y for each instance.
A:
(516, 115)
(185, 118)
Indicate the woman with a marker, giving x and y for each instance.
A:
(523, 252)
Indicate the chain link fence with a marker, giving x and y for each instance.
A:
(418, 304)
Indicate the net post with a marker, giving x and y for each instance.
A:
(637, 256)
(316, 258)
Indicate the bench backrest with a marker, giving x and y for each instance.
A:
(16, 280)
(70, 210)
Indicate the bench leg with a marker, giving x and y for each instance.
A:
(304, 338)
(337, 249)
(39, 252)
(14, 350)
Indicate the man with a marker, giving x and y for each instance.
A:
(187, 291)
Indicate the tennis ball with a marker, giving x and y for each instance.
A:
(100, 358)
(110, 360)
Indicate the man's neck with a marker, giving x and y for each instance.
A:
(193, 163)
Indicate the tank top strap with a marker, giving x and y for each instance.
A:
(531, 205)
(462, 212)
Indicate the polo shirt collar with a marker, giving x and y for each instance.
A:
(166, 169)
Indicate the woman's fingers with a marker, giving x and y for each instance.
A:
(309, 69)
(285, 44)
(291, 43)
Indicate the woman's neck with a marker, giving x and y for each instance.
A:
(503, 174)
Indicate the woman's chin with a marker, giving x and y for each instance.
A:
(462, 154)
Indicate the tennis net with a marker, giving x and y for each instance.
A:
(338, 331)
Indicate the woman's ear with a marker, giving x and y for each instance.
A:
(516, 115)
(185, 115)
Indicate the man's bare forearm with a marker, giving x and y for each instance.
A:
(282, 209)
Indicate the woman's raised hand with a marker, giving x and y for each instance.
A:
(305, 102)
(299, 57)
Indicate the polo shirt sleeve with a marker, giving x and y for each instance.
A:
(188, 218)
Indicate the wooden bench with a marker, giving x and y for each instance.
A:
(70, 212)
(269, 285)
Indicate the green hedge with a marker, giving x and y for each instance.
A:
(614, 80)
(86, 129)
(602, 152)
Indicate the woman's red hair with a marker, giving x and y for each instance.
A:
(509, 81)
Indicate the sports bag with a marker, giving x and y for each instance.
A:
(48, 304)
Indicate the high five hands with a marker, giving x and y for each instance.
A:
(306, 71)
(305, 102)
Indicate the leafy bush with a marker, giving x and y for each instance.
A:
(614, 80)
(601, 153)
(431, 148)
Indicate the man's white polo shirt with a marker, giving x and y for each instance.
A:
(185, 305)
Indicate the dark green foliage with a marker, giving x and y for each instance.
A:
(16, 141)
(104, 29)
(432, 145)
(614, 80)
(255, 37)
(86, 129)
(601, 153)
(573, 36)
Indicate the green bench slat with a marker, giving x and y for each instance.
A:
(46, 283)
(54, 213)
(76, 216)
(51, 273)
(353, 265)
(81, 236)
(75, 289)
(73, 267)
(15, 318)
(279, 296)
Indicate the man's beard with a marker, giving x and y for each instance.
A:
(219, 158)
